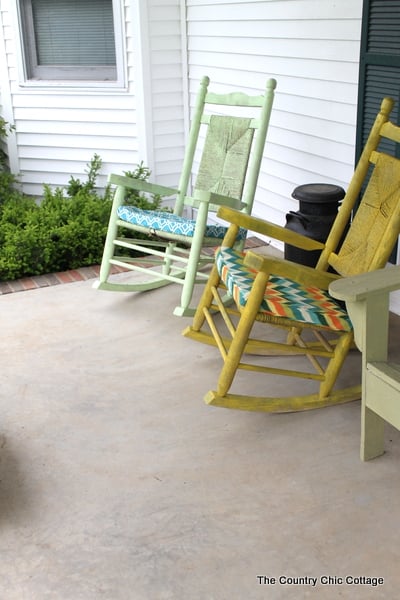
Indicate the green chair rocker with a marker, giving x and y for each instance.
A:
(283, 297)
(228, 132)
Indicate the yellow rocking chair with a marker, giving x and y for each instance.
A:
(228, 132)
(294, 298)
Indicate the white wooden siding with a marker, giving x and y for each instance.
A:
(312, 49)
(310, 46)
(6, 33)
(168, 89)
(58, 129)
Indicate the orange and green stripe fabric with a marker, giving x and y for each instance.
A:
(283, 297)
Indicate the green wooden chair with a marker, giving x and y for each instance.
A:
(293, 299)
(367, 302)
(227, 139)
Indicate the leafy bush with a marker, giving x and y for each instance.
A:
(66, 230)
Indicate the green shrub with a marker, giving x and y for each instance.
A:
(66, 230)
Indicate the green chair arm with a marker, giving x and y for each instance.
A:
(269, 229)
(367, 302)
(213, 199)
(358, 287)
(140, 185)
(286, 268)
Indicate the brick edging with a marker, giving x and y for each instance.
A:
(73, 275)
(40, 281)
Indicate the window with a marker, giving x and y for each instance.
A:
(69, 40)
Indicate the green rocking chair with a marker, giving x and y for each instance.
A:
(228, 132)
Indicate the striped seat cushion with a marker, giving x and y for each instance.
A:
(283, 297)
(162, 221)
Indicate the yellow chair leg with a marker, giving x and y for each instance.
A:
(241, 337)
(341, 351)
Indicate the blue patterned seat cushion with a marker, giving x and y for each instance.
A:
(283, 297)
(160, 221)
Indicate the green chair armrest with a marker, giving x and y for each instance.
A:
(269, 229)
(286, 268)
(358, 287)
(213, 199)
(140, 185)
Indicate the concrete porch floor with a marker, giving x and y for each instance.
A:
(118, 482)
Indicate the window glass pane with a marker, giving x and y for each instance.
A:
(74, 32)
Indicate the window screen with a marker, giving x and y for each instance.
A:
(69, 39)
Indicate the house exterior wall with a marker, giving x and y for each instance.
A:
(168, 94)
(59, 128)
(312, 49)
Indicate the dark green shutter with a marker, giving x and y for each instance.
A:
(379, 64)
(379, 70)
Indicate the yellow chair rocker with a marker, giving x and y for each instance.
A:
(294, 298)
(228, 135)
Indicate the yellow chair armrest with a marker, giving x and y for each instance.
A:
(140, 185)
(286, 268)
(269, 229)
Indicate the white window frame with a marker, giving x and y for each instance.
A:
(82, 80)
